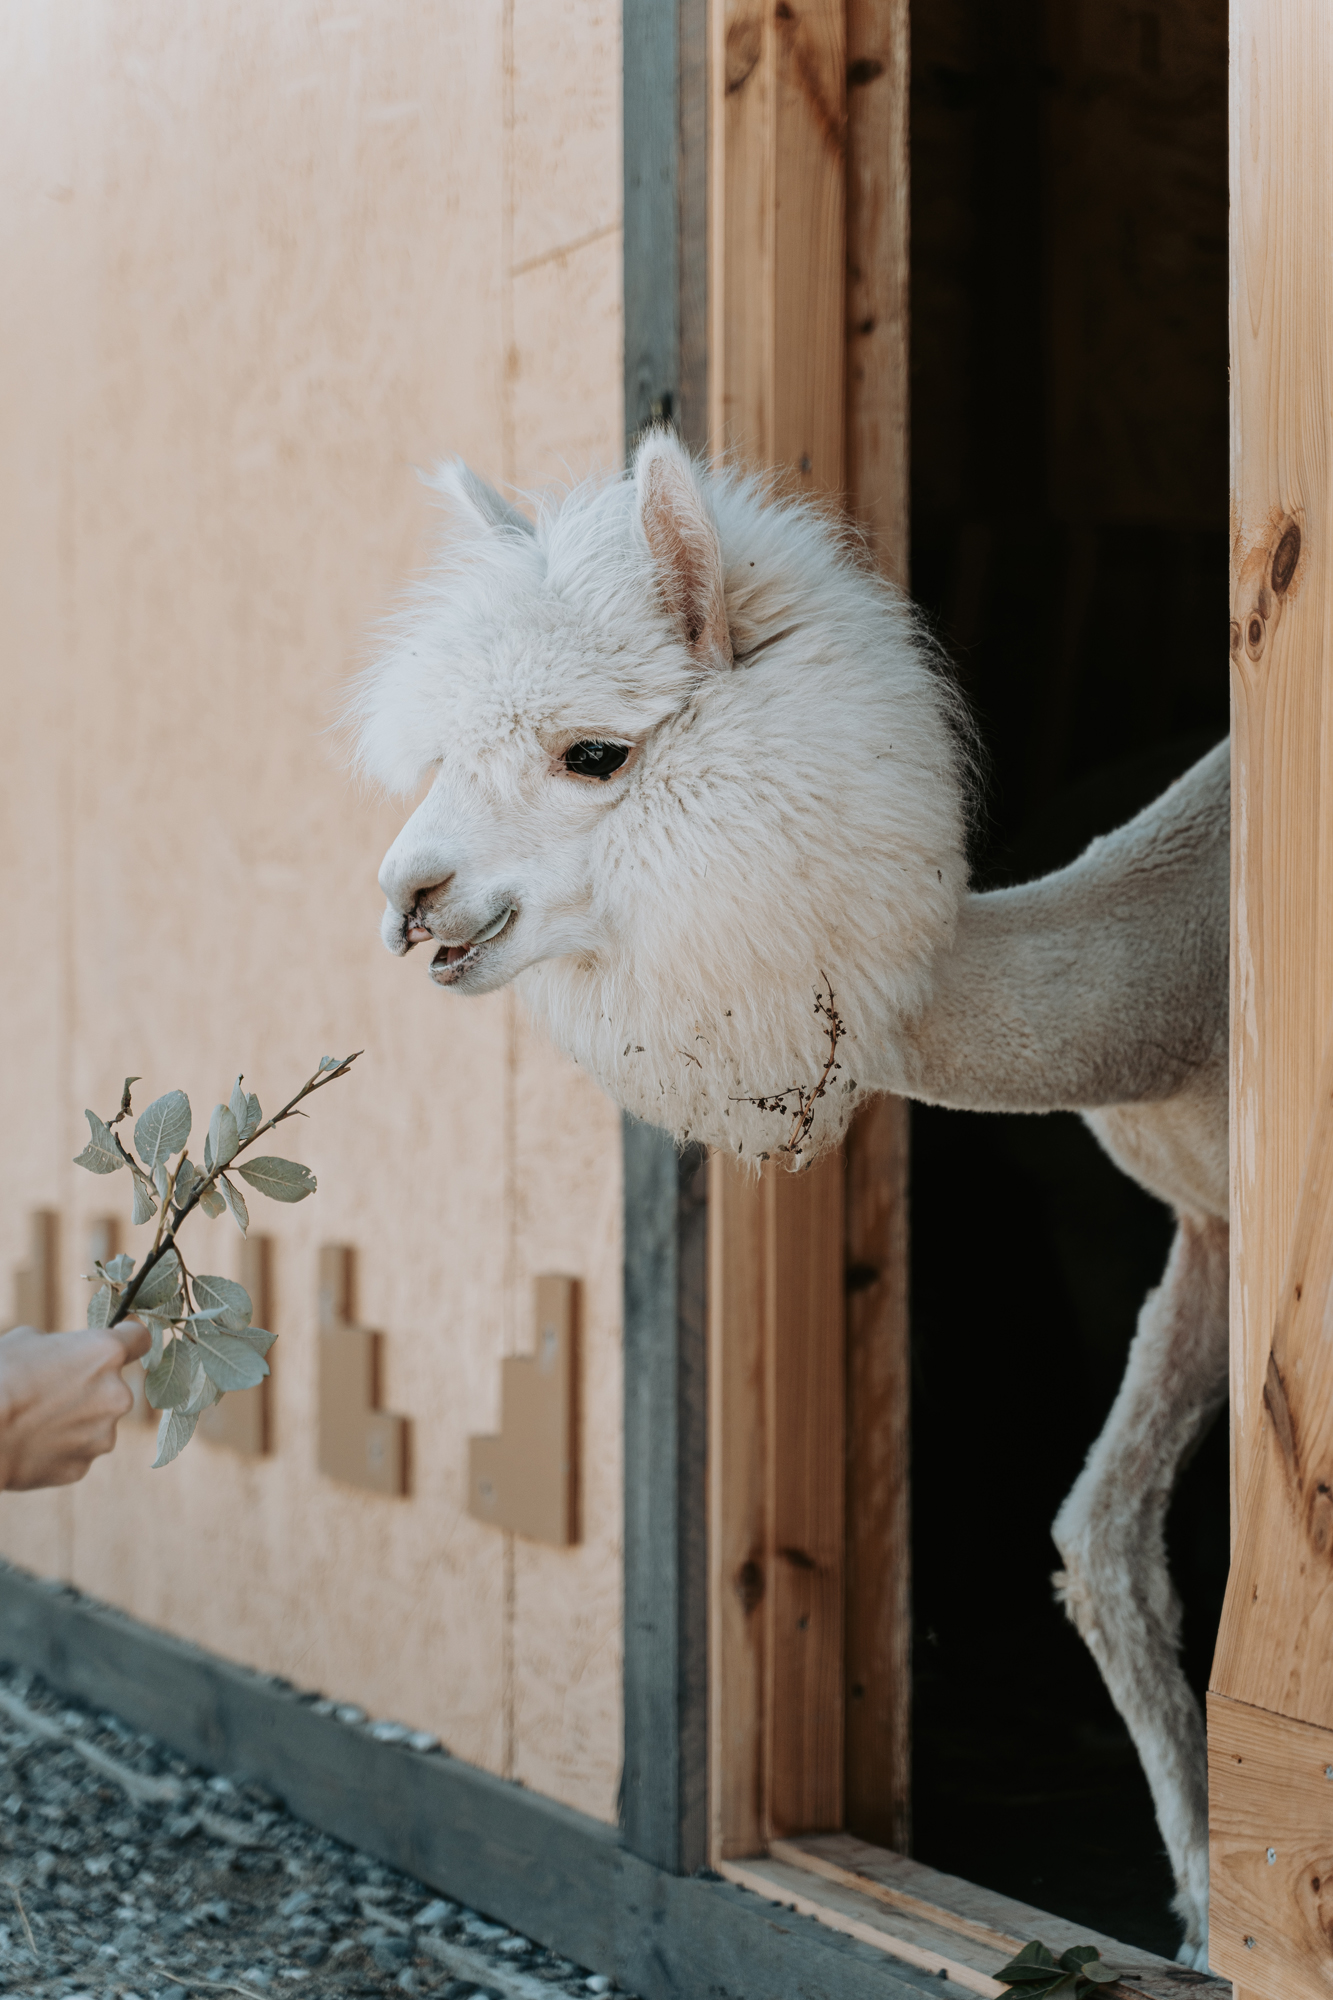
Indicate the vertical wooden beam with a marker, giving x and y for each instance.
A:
(777, 402)
(878, 1663)
(1282, 744)
(805, 1389)
(665, 1786)
(666, 1745)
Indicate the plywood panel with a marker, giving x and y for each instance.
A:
(237, 238)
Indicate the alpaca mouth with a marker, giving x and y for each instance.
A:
(452, 961)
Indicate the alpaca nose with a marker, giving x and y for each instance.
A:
(428, 901)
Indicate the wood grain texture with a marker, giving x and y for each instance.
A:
(1270, 1808)
(779, 239)
(1282, 831)
(805, 1436)
(878, 1627)
(878, 278)
(976, 1928)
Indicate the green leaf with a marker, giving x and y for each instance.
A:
(101, 1155)
(235, 1201)
(100, 1307)
(171, 1384)
(161, 1181)
(1034, 1965)
(161, 1288)
(227, 1360)
(173, 1434)
(245, 1110)
(1097, 1969)
(281, 1180)
(257, 1337)
(125, 1095)
(145, 1208)
(224, 1293)
(186, 1175)
(157, 1329)
(211, 1201)
(121, 1269)
(223, 1137)
(163, 1128)
(206, 1393)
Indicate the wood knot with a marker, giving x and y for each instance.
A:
(1279, 1411)
(745, 42)
(749, 1585)
(864, 70)
(1285, 558)
(1319, 1519)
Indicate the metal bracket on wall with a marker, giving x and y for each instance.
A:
(359, 1443)
(525, 1479)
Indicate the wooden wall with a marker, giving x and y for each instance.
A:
(260, 263)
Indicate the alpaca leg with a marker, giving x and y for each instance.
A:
(1111, 1533)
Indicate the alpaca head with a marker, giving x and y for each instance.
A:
(694, 784)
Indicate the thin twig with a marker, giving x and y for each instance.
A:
(208, 1180)
(210, 1985)
(27, 1927)
(806, 1099)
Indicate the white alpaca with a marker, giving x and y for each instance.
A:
(692, 766)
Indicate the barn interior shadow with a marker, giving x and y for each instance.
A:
(1069, 531)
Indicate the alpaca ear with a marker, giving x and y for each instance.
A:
(682, 540)
(474, 500)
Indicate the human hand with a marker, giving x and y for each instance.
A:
(61, 1397)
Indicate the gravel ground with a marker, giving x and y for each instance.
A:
(125, 1874)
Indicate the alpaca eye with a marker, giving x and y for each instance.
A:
(594, 759)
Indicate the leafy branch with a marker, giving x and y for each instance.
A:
(1037, 1972)
(203, 1342)
(807, 1096)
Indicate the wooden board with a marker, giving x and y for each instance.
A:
(36, 1281)
(941, 1923)
(525, 1478)
(1282, 819)
(1270, 1809)
(243, 1421)
(359, 1443)
(810, 1685)
(878, 1629)
(1271, 1703)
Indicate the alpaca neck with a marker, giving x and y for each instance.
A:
(1102, 984)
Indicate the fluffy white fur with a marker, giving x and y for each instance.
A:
(790, 819)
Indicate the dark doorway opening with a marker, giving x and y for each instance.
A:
(1069, 539)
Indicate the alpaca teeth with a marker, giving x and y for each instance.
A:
(493, 930)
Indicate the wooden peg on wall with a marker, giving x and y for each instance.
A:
(243, 1419)
(36, 1301)
(103, 1245)
(359, 1443)
(525, 1479)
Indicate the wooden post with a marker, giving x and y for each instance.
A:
(809, 376)
(878, 1664)
(1271, 1701)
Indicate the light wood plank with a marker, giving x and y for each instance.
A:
(805, 1387)
(243, 1420)
(878, 278)
(1271, 1815)
(1282, 833)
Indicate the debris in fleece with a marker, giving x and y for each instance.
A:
(127, 1875)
